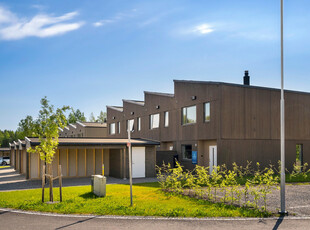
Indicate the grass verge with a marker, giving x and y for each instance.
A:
(148, 200)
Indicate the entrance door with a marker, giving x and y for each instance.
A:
(212, 158)
(138, 162)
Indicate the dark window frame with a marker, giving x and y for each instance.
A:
(183, 119)
(204, 112)
(186, 151)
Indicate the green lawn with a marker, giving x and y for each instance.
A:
(148, 200)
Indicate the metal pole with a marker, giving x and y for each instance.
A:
(282, 190)
(130, 164)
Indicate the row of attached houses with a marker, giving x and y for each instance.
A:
(212, 123)
(204, 123)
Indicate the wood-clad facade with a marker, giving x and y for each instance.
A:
(243, 124)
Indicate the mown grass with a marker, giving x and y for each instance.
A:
(148, 200)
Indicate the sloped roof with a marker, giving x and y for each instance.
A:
(96, 142)
(93, 124)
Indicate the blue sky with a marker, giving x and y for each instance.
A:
(89, 54)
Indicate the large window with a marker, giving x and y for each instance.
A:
(139, 123)
(187, 152)
(112, 128)
(130, 125)
(118, 127)
(189, 115)
(207, 111)
(166, 119)
(154, 121)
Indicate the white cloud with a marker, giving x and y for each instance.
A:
(195, 30)
(102, 23)
(118, 17)
(203, 29)
(41, 25)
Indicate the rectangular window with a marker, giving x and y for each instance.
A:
(139, 123)
(130, 124)
(112, 128)
(189, 115)
(186, 152)
(154, 121)
(118, 127)
(207, 111)
(166, 119)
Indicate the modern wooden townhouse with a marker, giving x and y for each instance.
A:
(212, 123)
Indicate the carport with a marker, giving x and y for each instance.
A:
(82, 157)
(5, 152)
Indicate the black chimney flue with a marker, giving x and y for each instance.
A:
(246, 78)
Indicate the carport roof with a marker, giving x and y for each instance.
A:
(96, 142)
(4, 149)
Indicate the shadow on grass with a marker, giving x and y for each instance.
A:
(89, 195)
(148, 184)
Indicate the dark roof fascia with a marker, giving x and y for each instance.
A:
(239, 85)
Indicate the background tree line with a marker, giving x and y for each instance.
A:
(28, 126)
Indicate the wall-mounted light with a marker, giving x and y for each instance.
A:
(132, 113)
(194, 97)
(157, 106)
(113, 118)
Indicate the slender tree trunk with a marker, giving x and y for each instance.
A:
(43, 182)
(51, 182)
(60, 184)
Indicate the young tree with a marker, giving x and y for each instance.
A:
(102, 117)
(26, 128)
(47, 130)
(76, 115)
(92, 117)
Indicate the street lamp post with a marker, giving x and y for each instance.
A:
(130, 162)
(282, 123)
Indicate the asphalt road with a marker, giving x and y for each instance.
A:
(298, 202)
(17, 220)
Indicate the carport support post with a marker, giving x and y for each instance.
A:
(130, 164)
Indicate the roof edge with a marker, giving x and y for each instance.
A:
(159, 94)
(136, 102)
